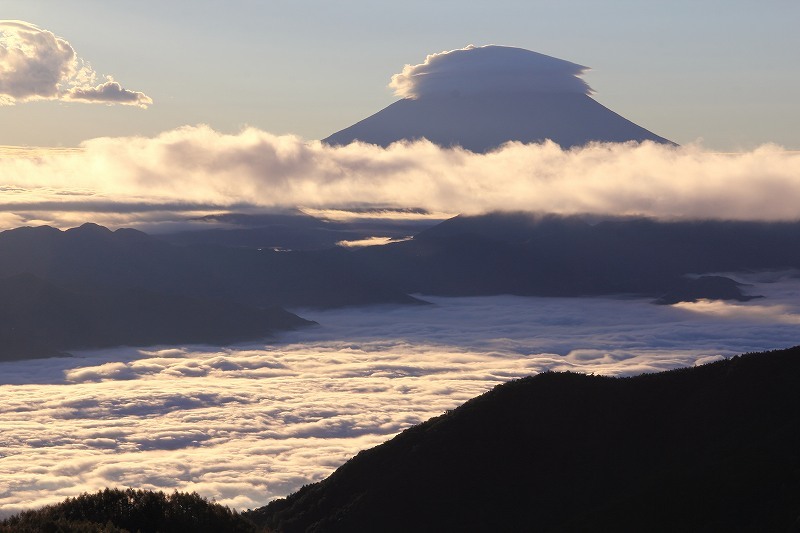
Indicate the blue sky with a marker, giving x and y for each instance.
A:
(725, 72)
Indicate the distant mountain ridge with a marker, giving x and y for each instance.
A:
(89, 287)
(529, 255)
(290, 230)
(93, 257)
(43, 320)
(99, 275)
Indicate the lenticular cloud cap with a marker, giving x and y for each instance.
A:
(492, 68)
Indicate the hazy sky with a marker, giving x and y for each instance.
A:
(724, 71)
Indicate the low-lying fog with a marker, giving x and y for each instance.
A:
(247, 424)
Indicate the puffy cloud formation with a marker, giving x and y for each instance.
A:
(125, 181)
(479, 69)
(110, 92)
(35, 64)
(248, 424)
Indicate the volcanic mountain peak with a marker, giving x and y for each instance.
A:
(482, 97)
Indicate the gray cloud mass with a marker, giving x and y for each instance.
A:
(110, 92)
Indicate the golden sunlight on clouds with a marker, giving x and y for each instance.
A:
(199, 169)
(35, 65)
(34, 152)
(372, 241)
(776, 314)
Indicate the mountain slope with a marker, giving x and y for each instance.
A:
(525, 254)
(92, 257)
(40, 319)
(711, 448)
(89, 287)
(291, 231)
(481, 97)
(483, 122)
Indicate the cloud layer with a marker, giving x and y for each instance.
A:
(246, 424)
(476, 70)
(197, 168)
(35, 64)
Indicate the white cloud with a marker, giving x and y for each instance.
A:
(247, 424)
(35, 64)
(370, 241)
(135, 180)
(475, 70)
(766, 313)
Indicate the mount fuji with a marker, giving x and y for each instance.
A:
(482, 97)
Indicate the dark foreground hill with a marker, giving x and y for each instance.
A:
(712, 448)
(120, 511)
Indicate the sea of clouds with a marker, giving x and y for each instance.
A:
(246, 424)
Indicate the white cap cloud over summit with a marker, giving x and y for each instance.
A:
(478, 69)
(35, 64)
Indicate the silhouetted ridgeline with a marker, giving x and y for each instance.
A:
(711, 448)
(118, 511)
(92, 257)
(91, 287)
(292, 230)
(523, 254)
(39, 319)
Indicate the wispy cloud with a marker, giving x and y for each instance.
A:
(198, 166)
(35, 64)
(247, 424)
(370, 241)
(780, 314)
